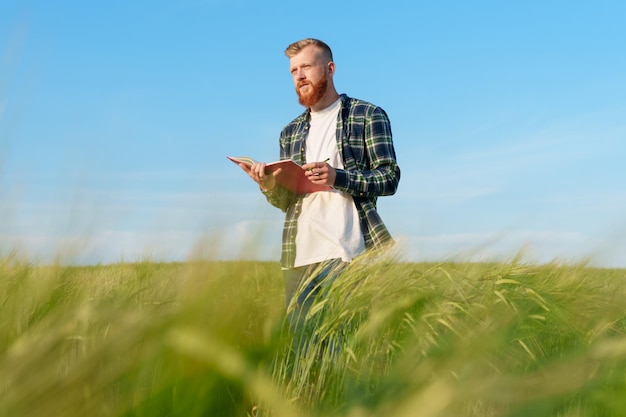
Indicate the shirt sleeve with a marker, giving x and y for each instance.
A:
(378, 173)
(279, 197)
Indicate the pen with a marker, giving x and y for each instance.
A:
(325, 160)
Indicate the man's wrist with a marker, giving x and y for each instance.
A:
(341, 179)
(266, 189)
(268, 184)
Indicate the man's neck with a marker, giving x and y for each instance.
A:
(329, 98)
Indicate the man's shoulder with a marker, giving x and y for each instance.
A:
(353, 101)
(357, 106)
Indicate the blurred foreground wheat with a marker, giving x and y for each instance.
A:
(388, 339)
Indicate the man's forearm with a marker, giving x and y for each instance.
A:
(371, 183)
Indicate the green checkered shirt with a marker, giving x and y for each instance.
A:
(370, 170)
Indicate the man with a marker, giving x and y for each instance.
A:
(349, 145)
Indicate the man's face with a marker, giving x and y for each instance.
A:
(310, 75)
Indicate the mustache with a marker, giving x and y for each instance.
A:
(303, 83)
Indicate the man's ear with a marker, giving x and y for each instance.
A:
(331, 68)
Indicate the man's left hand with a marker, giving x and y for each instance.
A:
(320, 173)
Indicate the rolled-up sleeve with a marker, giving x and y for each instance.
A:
(371, 169)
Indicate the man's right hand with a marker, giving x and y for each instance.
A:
(257, 173)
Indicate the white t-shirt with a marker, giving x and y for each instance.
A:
(328, 226)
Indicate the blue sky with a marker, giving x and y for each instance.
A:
(115, 120)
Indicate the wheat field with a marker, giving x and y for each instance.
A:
(389, 338)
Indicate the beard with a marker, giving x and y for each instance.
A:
(318, 90)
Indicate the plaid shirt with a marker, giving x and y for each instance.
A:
(370, 170)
